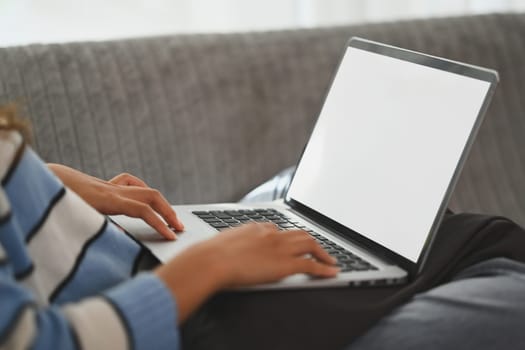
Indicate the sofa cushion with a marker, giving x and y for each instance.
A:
(207, 117)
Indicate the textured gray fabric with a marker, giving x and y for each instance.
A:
(207, 117)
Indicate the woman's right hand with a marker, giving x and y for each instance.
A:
(247, 255)
(260, 253)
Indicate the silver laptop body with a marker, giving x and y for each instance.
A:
(375, 177)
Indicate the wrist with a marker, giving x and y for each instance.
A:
(63, 173)
(218, 271)
(192, 277)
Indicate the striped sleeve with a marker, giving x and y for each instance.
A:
(65, 270)
(135, 315)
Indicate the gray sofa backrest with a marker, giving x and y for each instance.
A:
(207, 117)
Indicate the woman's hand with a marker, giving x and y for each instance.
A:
(260, 253)
(247, 255)
(124, 194)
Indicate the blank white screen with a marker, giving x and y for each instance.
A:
(385, 147)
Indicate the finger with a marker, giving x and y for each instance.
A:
(314, 268)
(157, 201)
(261, 227)
(267, 226)
(301, 243)
(143, 211)
(126, 179)
(321, 255)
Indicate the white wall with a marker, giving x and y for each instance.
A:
(28, 21)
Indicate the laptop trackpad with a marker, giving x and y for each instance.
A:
(163, 249)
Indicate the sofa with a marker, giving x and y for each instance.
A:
(207, 117)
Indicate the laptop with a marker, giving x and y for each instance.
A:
(375, 177)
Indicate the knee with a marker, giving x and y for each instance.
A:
(481, 310)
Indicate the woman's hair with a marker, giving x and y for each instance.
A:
(10, 119)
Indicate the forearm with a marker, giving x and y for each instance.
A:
(70, 177)
(251, 254)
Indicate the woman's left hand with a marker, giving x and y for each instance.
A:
(124, 194)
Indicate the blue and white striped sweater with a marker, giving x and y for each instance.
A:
(66, 272)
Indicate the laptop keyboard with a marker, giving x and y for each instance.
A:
(225, 219)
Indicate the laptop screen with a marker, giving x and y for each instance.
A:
(385, 147)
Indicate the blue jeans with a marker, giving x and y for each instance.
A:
(482, 307)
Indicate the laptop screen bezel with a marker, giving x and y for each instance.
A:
(467, 70)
